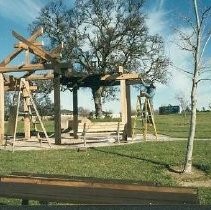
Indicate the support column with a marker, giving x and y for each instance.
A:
(75, 112)
(27, 122)
(123, 100)
(1, 109)
(129, 121)
(57, 107)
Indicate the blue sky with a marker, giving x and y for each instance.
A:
(163, 17)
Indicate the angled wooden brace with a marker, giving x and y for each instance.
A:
(11, 56)
(35, 49)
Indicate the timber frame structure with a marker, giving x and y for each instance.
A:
(61, 74)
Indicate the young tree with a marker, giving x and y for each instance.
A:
(195, 42)
(183, 102)
(100, 35)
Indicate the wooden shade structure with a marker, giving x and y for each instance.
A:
(61, 74)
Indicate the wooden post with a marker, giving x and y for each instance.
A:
(123, 98)
(57, 107)
(129, 121)
(1, 109)
(27, 122)
(75, 112)
(123, 101)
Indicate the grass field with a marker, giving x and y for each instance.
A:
(178, 125)
(141, 162)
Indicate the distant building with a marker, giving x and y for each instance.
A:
(169, 109)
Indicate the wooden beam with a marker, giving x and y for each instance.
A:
(30, 67)
(129, 120)
(13, 88)
(93, 191)
(57, 106)
(123, 98)
(34, 77)
(24, 46)
(123, 76)
(35, 49)
(57, 50)
(1, 109)
(75, 112)
(11, 56)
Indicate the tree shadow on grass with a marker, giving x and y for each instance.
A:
(159, 163)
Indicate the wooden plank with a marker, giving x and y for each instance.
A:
(35, 49)
(32, 77)
(94, 128)
(11, 56)
(92, 195)
(92, 183)
(52, 189)
(24, 46)
(1, 109)
(123, 101)
(124, 76)
(30, 67)
(100, 127)
(57, 50)
(13, 88)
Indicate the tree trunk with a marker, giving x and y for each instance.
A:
(189, 153)
(97, 95)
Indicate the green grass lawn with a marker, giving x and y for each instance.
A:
(178, 125)
(142, 162)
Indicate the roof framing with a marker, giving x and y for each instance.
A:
(50, 61)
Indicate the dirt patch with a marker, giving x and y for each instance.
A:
(197, 178)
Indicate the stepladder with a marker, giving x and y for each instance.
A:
(144, 121)
(25, 106)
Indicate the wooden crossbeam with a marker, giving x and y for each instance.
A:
(13, 88)
(30, 67)
(57, 50)
(11, 84)
(35, 49)
(32, 77)
(125, 76)
(93, 191)
(11, 56)
(24, 46)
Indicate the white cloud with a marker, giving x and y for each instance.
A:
(157, 21)
(20, 10)
(180, 81)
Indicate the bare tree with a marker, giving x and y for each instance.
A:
(195, 42)
(183, 102)
(100, 35)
